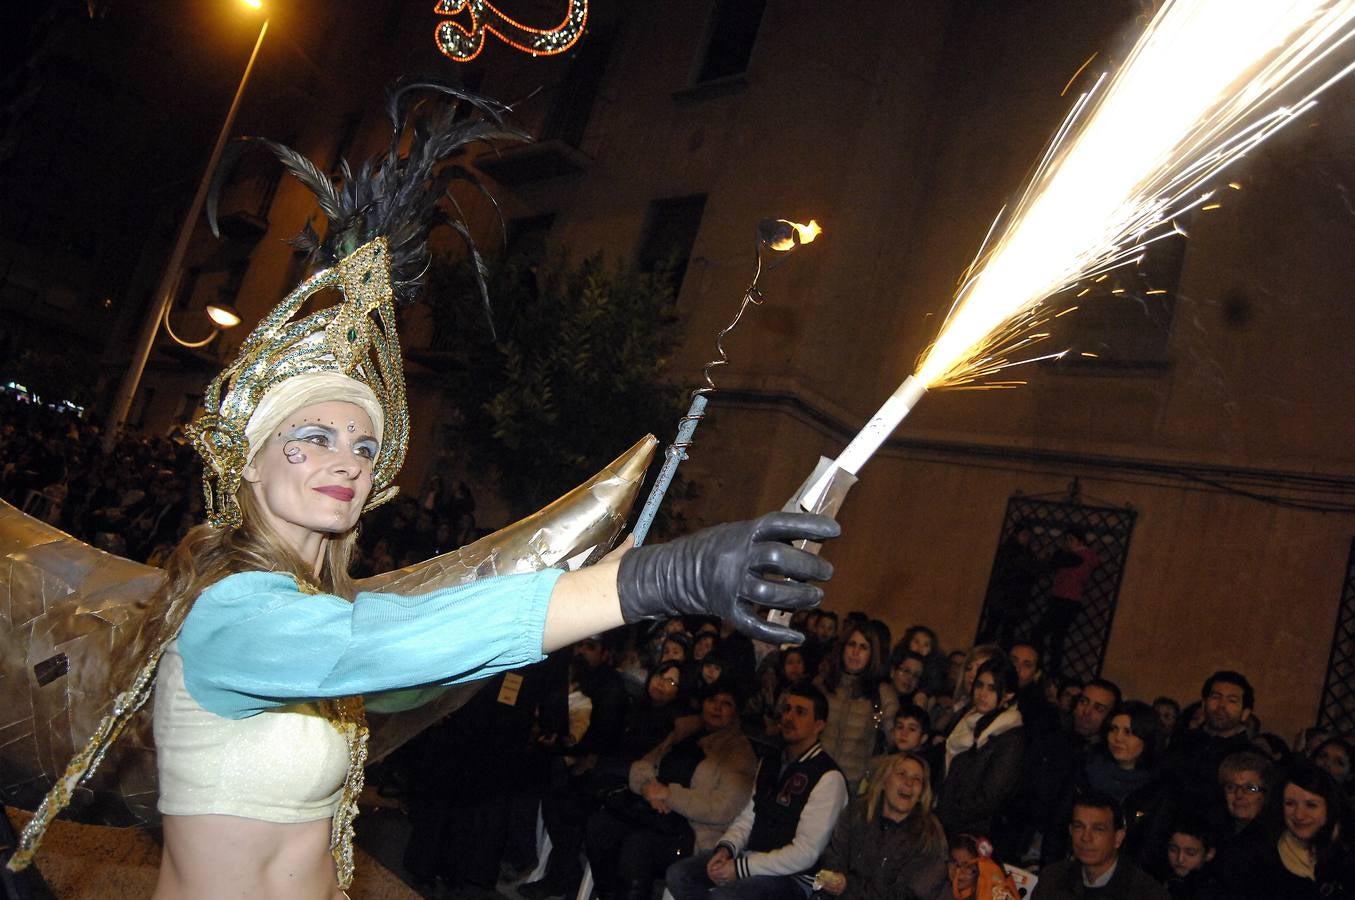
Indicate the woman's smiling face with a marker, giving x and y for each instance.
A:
(313, 475)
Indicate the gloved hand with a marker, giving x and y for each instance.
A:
(722, 571)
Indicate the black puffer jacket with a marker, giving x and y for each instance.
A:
(984, 775)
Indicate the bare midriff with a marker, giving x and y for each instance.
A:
(220, 857)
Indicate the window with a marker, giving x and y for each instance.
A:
(1124, 321)
(572, 103)
(729, 38)
(670, 234)
(527, 237)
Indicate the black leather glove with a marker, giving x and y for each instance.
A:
(722, 571)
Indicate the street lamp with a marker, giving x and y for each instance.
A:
(220, 315)
(169, 279)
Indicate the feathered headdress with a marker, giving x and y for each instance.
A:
(375, 251)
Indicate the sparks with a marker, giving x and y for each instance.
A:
(1200, 88)
(1205, 74)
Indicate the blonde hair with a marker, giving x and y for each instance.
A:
(208, 554)
(920, 821)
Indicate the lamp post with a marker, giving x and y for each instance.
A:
(169, 279)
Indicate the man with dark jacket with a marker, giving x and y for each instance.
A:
(770, 851)
(565, 809)
(1195, 755)
(1097, 869)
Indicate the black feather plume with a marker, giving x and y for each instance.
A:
(392, 194)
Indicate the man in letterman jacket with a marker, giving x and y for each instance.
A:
(770, 852)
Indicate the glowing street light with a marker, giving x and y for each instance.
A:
(169, 279)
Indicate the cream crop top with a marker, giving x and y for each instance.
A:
(282, 765)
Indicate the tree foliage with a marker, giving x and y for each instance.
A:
(575, 376)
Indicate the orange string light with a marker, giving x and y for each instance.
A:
(463, 45)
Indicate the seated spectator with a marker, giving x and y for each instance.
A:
(1097, 869)
(574, 796)
(1066, 691)
(975, 874)
(825, 628)
(1124, 764)
(857, 709)
(1272, 745)
(1243, 779)
(888, 846)
(947, 711)
(714, 667)
(1046, 763)
(983, 753)
(905, 677)
(1168, 714)
(1227, 700)
(682, 794)
(677, 647)
(759, 710)
(909, 735)
(1334, 756)
(955, 666)
(1189, 851)
(770, 851)
(1308, 859)
(792, 666)
(935, 677)
(1093, 705)
(651, 718)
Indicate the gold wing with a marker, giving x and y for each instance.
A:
(64, 606)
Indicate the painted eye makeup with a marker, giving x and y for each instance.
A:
(318, 435)
(366, 448)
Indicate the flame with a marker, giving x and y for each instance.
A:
(1198, 90)
(808, 232)
(783, 235)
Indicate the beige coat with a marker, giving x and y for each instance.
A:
(721, 784)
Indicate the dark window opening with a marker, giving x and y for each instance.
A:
(526, 238)
(1123, 319)
(729, 44)
(572, 104)
(670, 235)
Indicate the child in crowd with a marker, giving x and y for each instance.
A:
(1189, 852)
(974, 874)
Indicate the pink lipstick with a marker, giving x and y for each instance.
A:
(338, 492)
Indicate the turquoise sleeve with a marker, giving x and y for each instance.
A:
(254, 642)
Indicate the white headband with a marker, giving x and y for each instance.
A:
(304, 390)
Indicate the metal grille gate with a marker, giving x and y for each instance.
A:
(1336, 712)
(1015, 605)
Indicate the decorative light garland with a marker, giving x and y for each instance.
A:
(463, 45)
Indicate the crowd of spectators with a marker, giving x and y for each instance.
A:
(653, 754)
(855, 766)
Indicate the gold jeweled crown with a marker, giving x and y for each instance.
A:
(355, 337)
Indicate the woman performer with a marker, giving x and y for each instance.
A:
(258, 648)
